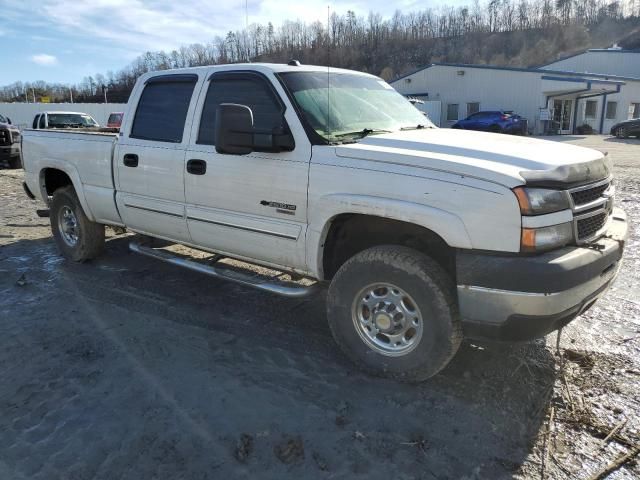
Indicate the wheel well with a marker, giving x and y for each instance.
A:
(350, 234)
(55, 179)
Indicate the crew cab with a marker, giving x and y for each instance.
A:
(422, 235)
(9, 143)
(45, 120)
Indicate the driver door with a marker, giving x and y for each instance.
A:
(251, 206)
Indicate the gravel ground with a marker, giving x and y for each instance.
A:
(125, 368)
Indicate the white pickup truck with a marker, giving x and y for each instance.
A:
(424, 235)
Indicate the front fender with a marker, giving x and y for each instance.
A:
(446, 224)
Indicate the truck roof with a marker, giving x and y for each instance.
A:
(49, 112)
(259, 67)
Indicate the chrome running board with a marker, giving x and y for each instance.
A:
(267, 284)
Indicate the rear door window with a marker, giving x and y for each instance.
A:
(162, 108)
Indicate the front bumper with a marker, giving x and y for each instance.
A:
(10, 151)
(524, 297)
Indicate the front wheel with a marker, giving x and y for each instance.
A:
(392, 310)
(78, 238)
(621, 132)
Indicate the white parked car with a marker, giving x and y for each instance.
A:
(44, 120)
(423, 235)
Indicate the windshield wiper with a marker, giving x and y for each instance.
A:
(417, 127)
(362, 133)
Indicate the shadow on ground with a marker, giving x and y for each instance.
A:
(129, 368)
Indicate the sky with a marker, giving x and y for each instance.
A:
(66, 40)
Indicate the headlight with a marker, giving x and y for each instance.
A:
(546, 238)
(537, 201)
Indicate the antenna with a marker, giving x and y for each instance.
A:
(246, 27)
(328, 75)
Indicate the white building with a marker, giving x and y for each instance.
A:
(597, 87)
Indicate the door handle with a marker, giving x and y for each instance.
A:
(196, 166)
(130, 160)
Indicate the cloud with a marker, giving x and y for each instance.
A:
(136, 26)
(44, 59)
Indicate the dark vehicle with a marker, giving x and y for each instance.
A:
(115, 120)
(9, 143)
(626, 129)
(494, 121)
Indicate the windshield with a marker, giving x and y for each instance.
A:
(63, 120)
(353, 107)
(115, 118)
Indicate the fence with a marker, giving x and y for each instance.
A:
(22, 114)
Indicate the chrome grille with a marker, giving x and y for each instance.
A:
(588, 227)
(580, 197)
(5, 138)
(591, 204)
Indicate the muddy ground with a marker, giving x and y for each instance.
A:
(125, 368)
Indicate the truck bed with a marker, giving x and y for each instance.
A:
(83, 154)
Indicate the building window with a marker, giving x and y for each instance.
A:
(612, 108)
(472, 107)
(452, 112)
(634, 110)
(590, 109)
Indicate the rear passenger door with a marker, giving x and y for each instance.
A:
(150, 158)
(252, 206)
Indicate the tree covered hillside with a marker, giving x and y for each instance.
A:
(499, 32)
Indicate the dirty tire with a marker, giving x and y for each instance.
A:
(90, 235)
(15, 162)
(426, 283)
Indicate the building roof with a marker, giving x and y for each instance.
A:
(602, 50)
(518, 69)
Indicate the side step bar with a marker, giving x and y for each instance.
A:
(266, 284)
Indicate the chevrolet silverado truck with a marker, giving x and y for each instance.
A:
(423, 235)
(9, 143)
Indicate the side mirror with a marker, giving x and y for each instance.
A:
(8, 120)
(234, 129)
(236, 135)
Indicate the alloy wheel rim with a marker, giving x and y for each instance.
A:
(387, 319)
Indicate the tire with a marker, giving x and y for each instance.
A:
(495, 129)
(413, 280)
(621, 132)
(68, 221)
(15, 162)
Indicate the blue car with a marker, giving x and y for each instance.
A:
(495, 121)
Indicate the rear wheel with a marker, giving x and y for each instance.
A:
(621, 132)
(392, 310)
(78, 238)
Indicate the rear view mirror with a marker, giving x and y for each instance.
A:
(235, 133)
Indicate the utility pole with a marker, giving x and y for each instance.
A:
(71, 94)
(104, 91)
(33, 94)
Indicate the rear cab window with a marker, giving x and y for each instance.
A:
(162, 108)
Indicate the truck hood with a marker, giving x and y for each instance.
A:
(504, 159)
